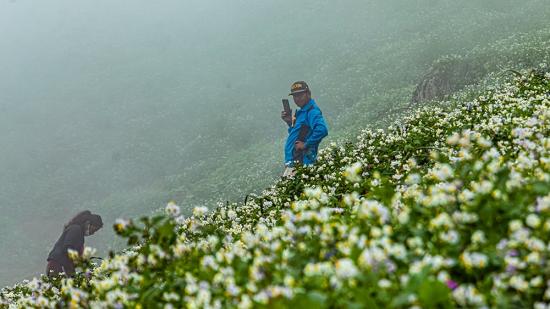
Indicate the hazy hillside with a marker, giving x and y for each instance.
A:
(449, 207)
(121, 107)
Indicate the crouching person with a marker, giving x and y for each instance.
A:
(82, 225)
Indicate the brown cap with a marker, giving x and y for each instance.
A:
(298, 87)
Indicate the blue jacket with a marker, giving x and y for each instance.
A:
(310, 115)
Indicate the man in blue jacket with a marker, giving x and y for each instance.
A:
(306, 128)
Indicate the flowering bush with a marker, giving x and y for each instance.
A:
(450, 207)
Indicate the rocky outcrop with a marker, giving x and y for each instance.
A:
(445, 77)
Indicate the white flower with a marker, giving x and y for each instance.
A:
(170, 296)
(521, 132)
(483, 187)
(351, 199)
(324, 268)
(539, 305)
(413, 179)
(88, 252)
(473, 260)
(370, 257)
(245, 302)
(42, 302)
(73, 254)
(415, 242)
(345, 268)
(231, 214)
(519, 283)
(404, 216)
(515, 225)
(200, 211)
(172, 209)
(313, 192)
(34, 284)
(289, 281)
(209, 262)
(442, 172)
(533, 221)
(453, 139)
(543, 203)
(398, 251)
(478, 237)
(467, 295)
(384, 283)
(121, 224)
(465, 217)
(535, 244)
(533, 258)
(483, 142)
(352, 172)
(451, 237)
(442, 220)
(374, 209)
(443, 276)
(536, 282)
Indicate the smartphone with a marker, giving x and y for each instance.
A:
(286, 107)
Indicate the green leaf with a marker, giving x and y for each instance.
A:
(401, 300)
(313, 299)
(434, 294)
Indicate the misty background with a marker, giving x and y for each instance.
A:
(122, 106)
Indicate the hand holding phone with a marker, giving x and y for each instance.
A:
(286, 114)
(286, 106)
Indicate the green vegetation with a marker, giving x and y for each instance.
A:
(450, 207)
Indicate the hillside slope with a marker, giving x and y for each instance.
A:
(145, 114)
(388, 99)
(448, 207)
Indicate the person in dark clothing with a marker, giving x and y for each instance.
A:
(83, 224)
